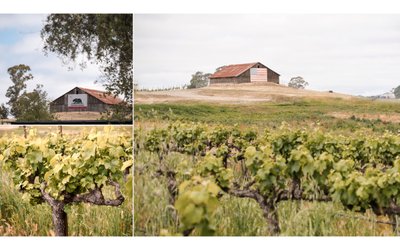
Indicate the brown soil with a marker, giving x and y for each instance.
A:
(233, 93)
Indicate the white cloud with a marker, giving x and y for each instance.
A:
(347, 53)
(30, 44)
(22, 22)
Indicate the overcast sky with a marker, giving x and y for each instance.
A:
(356, 54)
(20, 43)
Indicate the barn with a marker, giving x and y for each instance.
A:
(247, 72)
(83, 99)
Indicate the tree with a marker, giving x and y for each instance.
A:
(119, 112)
(26, 106)
(34, 105)
(396, 92)
(297, 82)
(18, 75)
(3, 111)
(199, 80)
(105, 39)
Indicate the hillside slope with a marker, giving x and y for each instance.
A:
(233, 93)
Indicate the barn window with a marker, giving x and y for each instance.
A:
(76, 91)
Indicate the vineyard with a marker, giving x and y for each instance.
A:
(66, 183)
(208, 179)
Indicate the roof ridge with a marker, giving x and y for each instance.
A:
(93, 89)
(252, 63)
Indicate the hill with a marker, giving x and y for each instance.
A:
(233, 93)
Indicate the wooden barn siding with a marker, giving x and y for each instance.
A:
(273, 77)
(61, 103)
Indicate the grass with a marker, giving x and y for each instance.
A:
(66, 129)
(298, 112)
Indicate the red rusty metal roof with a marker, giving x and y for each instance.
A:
(233, 70)
(102, 96)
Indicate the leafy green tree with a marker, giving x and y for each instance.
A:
(34, 105)
(119, 112)
(396, 92)
(199, 80)
(26, 106)
(3, 111)
(104, 39)
(19, 75)
(297, 82)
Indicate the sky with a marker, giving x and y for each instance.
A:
(356, 54)
(20, 43)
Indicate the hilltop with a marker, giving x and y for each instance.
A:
(234, 94)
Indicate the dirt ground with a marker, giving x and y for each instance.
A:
(232, 93)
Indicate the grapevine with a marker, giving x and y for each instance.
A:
(62, 170)
(361, 171)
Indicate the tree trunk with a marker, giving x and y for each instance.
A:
(296, 188)
(187, 232)
(393, 220)
(271, 216)
(60, 220)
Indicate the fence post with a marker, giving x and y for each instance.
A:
(60, 130)
(25, 132)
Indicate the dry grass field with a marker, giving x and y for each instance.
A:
(78, 115)
(233, 94)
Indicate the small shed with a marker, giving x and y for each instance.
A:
(247, 72)
(83, 99)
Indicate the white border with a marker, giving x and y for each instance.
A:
(203, 6)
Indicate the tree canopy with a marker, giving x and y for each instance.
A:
(396, 92)
(34, 105)
(297, 82)
(19, 75)
(199, 80)
(26, 106)
(3, 111)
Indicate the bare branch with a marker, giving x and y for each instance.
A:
(96, 196)
(285, 195)
(248, 185)
(393, 209)
(53, 202)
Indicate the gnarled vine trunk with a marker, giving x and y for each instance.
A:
(95, 196)
(60, 219)
(270, 214)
